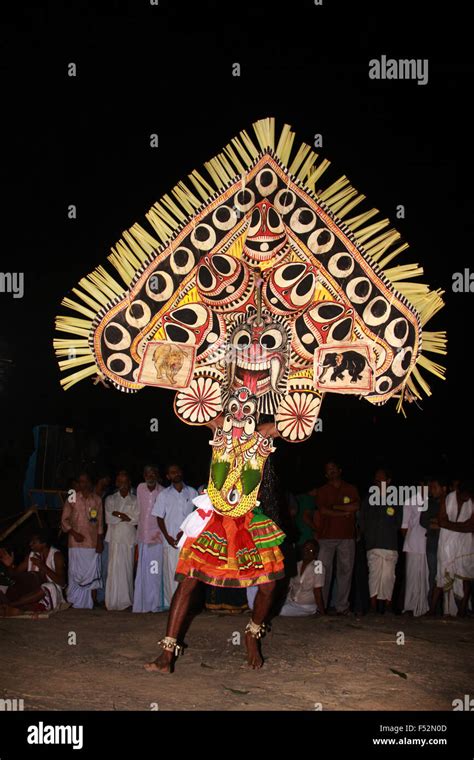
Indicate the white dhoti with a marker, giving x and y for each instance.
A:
(149, 589)
(84, 576)
(170, 560)
(53, 593)
(455, 555)
(455, 565)
(382, 563)
(53, 596)
(119, 586)
(416, 584)
(292, 609)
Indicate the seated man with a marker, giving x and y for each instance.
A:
(38, 580)
(305, 594)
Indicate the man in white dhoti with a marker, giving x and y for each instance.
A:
(416, 564)
(305, 593)
(172, 505)
(455, 552)
(38, 580)
(82, 520)
(149, 591)
(121, 515)
(380, 522)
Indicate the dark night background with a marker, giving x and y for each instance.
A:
(144, 69)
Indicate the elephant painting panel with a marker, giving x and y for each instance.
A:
(345, 368)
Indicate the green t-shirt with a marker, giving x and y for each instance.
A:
(305, 504)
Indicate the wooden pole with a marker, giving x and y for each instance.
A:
(17, 523)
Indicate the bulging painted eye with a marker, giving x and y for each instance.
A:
(225, 265)
(287, 274)
(205, 278)
(271, 339)
(233, 407)
(255, 222)
(241, 338)
(274, 220)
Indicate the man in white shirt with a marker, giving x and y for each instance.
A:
(121, 515)
(416, 563)
(172, 506)
(305, 593)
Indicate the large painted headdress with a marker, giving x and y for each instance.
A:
(255, 291)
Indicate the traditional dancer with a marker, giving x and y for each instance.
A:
(253, 293)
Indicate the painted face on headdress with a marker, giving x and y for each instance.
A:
(240, 418)
(289, 288)
(224, 282)
(259, 356)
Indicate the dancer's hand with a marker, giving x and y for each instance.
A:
(39, 563)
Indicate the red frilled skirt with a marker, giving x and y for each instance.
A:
(234, 552)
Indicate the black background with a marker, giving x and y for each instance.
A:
(144, 69)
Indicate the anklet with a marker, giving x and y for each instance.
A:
(169, 644)
(255, 630)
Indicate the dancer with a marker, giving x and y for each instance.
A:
(235, 547)
(246, 288)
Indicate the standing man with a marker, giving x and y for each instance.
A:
(149, 592)
(121, 515)
(337, 503)
(430, 521)
(82, 519)
(380, 524)
(414, 546)
(455, 551)
(103, 488)
(172, 505)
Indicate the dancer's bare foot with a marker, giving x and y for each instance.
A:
(254, 657)
(163, 664)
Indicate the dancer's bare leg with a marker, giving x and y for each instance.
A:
(180, 604)
(261, 608)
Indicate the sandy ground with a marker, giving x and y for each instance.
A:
(327, 663)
